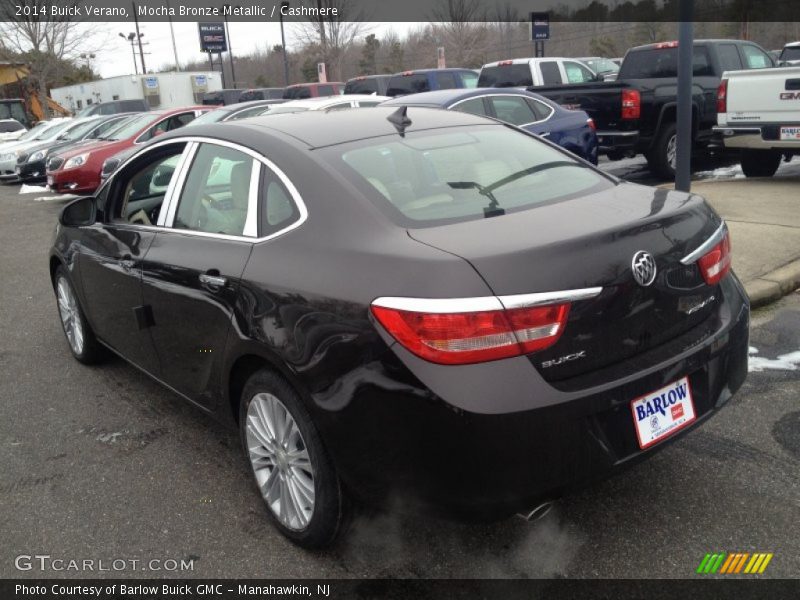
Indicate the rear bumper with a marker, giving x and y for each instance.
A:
(397, 441)
(755, 138)
(617, 141)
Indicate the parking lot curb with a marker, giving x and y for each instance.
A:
(774, 285)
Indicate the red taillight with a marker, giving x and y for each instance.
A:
(631, 104)
(407, 73)
(661, 45)
(457, 338)
(715, 264)
(505, 63)
(591, 124)
(722, 96)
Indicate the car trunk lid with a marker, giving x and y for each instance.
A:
(589, 242)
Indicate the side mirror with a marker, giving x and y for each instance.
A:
(80, 212)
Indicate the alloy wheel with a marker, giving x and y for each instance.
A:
(70, 317)
(672, 151)
(280, 461)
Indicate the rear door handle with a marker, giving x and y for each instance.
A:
(214, 281)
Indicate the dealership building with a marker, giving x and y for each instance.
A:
(160, 90)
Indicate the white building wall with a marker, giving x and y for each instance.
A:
(175, 90)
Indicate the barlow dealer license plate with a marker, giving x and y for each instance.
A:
(790, 133)
(661, 413)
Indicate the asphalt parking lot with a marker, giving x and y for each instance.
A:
(102, 463)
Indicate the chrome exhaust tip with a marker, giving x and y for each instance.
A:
(537, 512)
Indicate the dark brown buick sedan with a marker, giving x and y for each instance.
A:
(406, 303)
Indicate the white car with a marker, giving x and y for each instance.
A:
(326, 103)
(42, 131)
(758, 111)
(535, 72)
(11, 130)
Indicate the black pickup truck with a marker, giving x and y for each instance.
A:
(636, 113)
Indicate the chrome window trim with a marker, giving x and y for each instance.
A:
(703, 248)
(523, 96)
(170, 199)
(189, 139)
(484, 303)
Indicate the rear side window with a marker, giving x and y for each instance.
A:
(278, 209)
(790, 53)
(550, 73)
(511, 75)
(408, 84)
(754, 58)
(325, 90)
(540, 109)
(436, 177)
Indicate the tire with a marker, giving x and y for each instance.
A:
(760, 163)
(298, 465)
(81, 339)
(661, 158)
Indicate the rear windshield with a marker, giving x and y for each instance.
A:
(293, 93)
(791, 53)
(361, 86)
(448, 175)
(658, 63)
(506, 76)
(408, 84)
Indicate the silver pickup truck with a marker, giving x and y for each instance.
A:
(758, 111)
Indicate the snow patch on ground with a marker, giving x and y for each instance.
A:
(33, 189)
(785, 362)
(730, 172)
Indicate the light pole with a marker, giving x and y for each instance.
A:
(131, 37)
(284, 5)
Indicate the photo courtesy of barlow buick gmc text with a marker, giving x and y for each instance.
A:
(444, 299)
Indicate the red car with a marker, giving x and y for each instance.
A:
(78, 171)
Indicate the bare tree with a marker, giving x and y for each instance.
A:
(461, 24)
(334, 35)
(43, 43)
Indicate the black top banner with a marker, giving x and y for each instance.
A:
(405, 11)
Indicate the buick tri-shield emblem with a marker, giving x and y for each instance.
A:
(644, 268)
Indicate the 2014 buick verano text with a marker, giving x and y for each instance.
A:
(407, 304)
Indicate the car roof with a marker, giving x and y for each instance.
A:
(446, 70)
(528, 60)
(445, 97)
(316, 129)
(315, 83)
(363, 77)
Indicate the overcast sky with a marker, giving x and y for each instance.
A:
(115, 57)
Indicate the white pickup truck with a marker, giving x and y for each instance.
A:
(758, 111)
